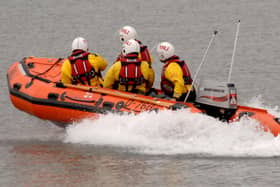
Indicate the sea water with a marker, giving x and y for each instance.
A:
(169, 148)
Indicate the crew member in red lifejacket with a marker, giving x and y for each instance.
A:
(175, 78)
(83, 67)
(126, 33)
(130, 73)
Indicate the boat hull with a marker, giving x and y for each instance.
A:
(35, 88)
(40, 96)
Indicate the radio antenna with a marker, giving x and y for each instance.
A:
(202, 61)
(234, 50)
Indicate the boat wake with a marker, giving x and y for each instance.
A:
(178, 132)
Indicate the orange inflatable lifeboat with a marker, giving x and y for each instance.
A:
(34, 86)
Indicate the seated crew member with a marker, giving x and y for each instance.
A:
(175, 78)
(130, 73)
(126, 33)
(83, 67)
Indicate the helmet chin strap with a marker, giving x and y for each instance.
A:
(161, 59)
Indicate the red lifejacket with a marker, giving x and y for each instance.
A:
(130, 73)
(82, 70)
(145, 54)
(166, 85)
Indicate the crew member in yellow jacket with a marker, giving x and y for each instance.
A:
(130, 73)
(83, 67)
(175, 78)
(127, 33)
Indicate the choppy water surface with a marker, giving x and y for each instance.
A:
(165, 149)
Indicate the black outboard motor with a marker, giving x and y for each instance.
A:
(218, 99)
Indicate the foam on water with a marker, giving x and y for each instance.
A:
(177, 132)
(258, 102)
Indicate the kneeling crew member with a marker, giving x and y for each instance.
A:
(83, 67)
(130, 73)
(175, 78)
(127, 33)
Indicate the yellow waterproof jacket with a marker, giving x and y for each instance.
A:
(98, 63)
(173, 73)
(112, 77)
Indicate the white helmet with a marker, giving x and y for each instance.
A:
(165, 50)
(80, 43)
(127, 33)
(130, 46)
